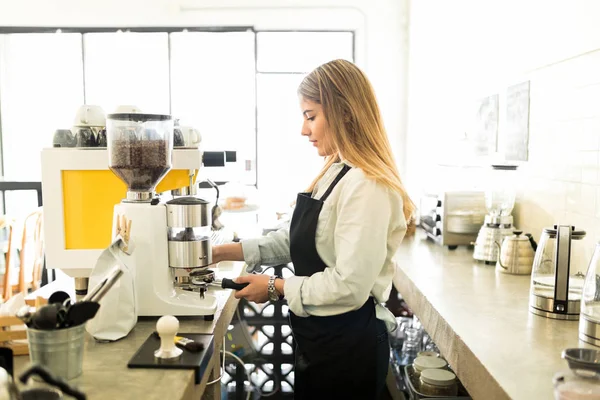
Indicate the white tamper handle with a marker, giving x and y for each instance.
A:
(167, 327)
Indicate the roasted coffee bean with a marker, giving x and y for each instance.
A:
(140, 164)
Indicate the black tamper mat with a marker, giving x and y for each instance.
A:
(198, 361)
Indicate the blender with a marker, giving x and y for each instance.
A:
(498, 223)
(168, 240)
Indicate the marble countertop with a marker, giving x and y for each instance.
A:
(480, 320)
(105, 373)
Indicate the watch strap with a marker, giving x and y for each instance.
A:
(272, 291)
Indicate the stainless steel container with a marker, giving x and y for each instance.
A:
(187, 212)
(191, 254)
(59, 350)
(189, 232)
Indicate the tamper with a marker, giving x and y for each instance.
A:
(167, 327)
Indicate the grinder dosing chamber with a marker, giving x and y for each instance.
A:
(189, 231)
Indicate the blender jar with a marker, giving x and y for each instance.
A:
(140, 148)
(500, 195)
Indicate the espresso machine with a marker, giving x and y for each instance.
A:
(498, 223)
(170, 241)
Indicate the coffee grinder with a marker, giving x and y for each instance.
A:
(498, 223)
(170, 241)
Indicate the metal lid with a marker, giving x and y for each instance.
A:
(518, 235)
(428, 354)
(187, 201)
(575, 234)
(438, 377)
(138, 117)
(427, 362)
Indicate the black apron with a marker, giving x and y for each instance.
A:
(336, 356)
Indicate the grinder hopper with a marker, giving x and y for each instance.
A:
(140, 148)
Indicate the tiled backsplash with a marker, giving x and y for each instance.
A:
(561, 181)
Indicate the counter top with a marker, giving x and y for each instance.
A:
(105, 373)
(480, 320)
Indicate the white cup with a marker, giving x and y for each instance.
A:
(191, 136)
(88, 115)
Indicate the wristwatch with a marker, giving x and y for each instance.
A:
(274, 295)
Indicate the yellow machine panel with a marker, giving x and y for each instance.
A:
(88, 201)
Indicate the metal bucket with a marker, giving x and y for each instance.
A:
(61, 350)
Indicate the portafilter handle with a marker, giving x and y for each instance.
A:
(230, 284)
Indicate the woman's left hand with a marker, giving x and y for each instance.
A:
(258, 289)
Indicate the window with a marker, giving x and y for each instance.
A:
(127, 68)
(41, 87)
(287, 163)
(212, 89)
(238, 88)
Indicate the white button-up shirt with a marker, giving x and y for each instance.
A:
(359, 229)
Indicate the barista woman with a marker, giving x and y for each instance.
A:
(344, 231)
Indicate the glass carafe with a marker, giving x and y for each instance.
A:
(556, 283)
(140, 148)
(589, 323)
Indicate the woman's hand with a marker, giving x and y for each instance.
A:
(258, 289)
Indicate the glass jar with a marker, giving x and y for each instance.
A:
(423, 363)
(500, 194)
(411, 345)
(438, 382)
(576, 386)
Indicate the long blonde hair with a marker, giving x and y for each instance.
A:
(354, 125)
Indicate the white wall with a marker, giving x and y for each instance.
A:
(465, 49)
(379, 25)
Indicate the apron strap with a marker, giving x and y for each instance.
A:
(339, 176)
